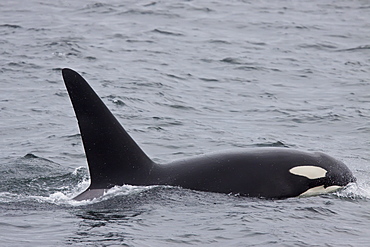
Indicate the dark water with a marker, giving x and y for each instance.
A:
(184, 77)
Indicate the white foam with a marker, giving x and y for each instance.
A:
(126, 190)
(77, 170)
(358, 190)
(66, 198)
(7, 197)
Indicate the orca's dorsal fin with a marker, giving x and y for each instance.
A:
(112, 155)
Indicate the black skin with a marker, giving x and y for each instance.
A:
(114, 158)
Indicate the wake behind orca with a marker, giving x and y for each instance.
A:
(115, 159)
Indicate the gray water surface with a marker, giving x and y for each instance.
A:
(184, 78)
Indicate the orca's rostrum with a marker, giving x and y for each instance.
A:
(115, 159)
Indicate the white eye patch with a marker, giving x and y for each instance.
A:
(311, 172)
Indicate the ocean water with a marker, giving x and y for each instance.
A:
(184, 78)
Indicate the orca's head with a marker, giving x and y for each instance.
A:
(337, 172)
(324, 175)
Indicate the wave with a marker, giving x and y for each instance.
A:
(353, 192)
(357, 48)
(32, 181)
(66, 198)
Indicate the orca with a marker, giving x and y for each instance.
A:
(115, 159)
